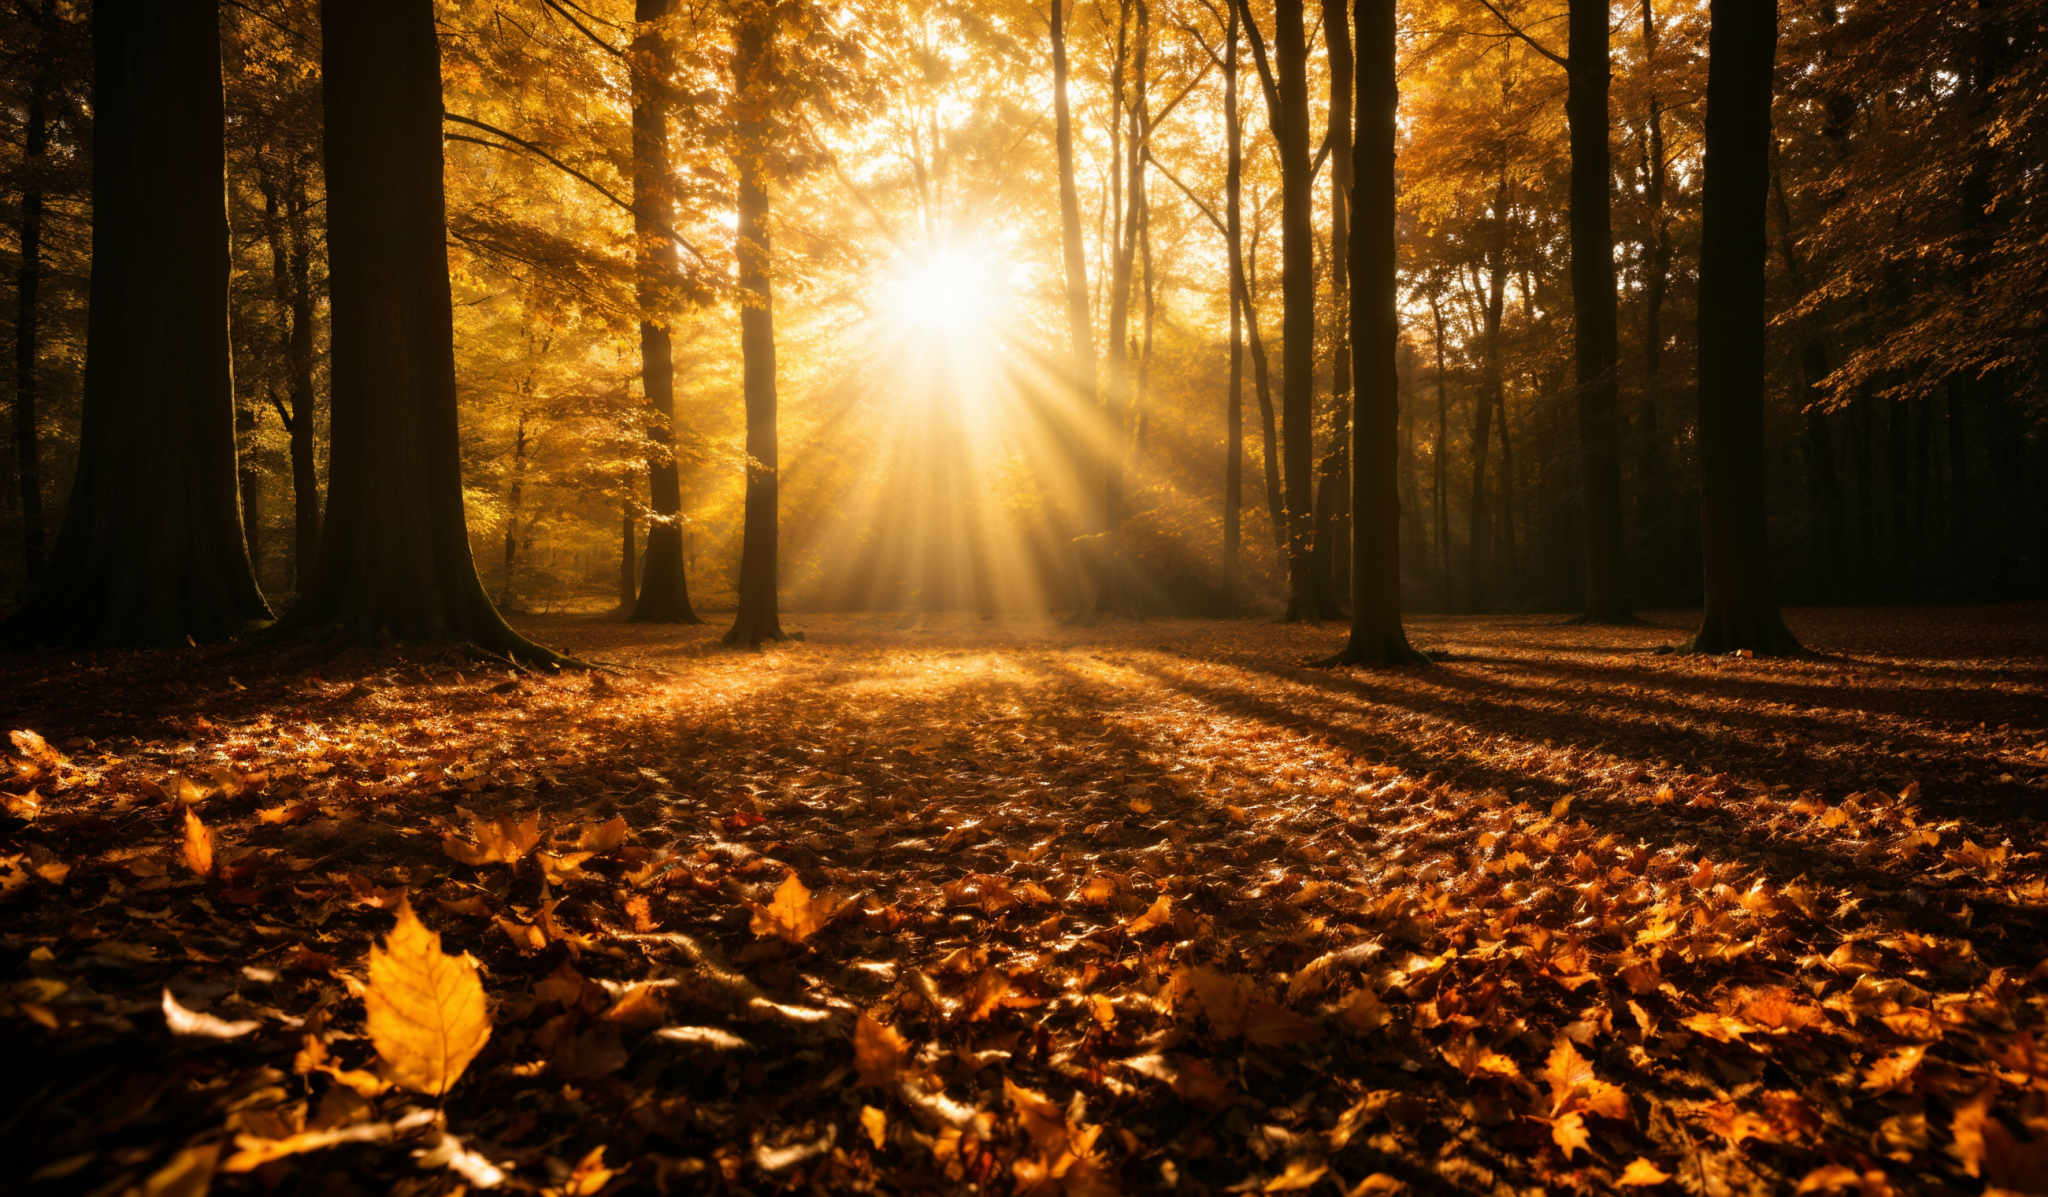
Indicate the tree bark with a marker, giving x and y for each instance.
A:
(664, 586)
(758, 619)
(1376, 637)
(285, 226)
(1595, 335)
(394, 558)
(28, 282)
(1741, 609)
(1332, 544)
(1233, 435)
(152, 550)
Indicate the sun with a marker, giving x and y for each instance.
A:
(956, 291)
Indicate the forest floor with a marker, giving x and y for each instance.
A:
(1132, 907)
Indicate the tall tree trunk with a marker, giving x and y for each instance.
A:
(1823, 485)
(1653, 505)
(1122, 366)
(285, 227)
(1262, 382)
(151, 551)
(1080, 327)
(394, 558)
(1487, 402)
(1332, 544)
(1440, 458)
(1233, 435)
(27, 283)
(1741, 608)
(664, 585)
(1594, 318)
(1376, 637)
(758, 619)
(1298, 302)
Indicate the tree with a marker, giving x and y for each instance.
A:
(1595, 314)
(394, 557)
(28, 280)
(151, 550)
(758, 619)
(1284, 74)
(1741, 610)
(664, 586)
(1377, 637)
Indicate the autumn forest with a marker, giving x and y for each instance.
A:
(1024, 596)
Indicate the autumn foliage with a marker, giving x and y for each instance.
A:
(1039, 910)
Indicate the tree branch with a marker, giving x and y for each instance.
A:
(560, 165)
(585, 30)
(1518, 32)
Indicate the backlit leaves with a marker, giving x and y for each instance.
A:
(426, 1008)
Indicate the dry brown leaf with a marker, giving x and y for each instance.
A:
(878, 1051)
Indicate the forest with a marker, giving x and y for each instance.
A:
(1039, 596)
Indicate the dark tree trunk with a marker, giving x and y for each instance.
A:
(664, 585)
(1233, 435)
(285, 226)
(1376, 634)
(28, 282)
(151, 551)
(1332, 544)
(1594, 318)
(758, 619)
(1298, 303)
(1741, 608)
(394, 558)
(1655, 529)
(1440, 459)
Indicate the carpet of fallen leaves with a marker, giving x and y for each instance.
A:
(1016, 907)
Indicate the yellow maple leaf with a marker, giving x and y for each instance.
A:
(198, 846)
(607, 836)
(793, 914)
(1643, 1173)
(1568, 1131)
(426, 1008)
(502, 840)
(878, 1051)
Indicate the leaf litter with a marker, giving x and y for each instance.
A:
(1036, 909)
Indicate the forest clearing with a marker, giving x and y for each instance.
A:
(1024, 597)
(1074, 909)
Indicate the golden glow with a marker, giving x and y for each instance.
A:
(950, 290)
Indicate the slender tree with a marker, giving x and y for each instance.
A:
(1284, 74)
(758, 619)
(1233, 435)
(28, 282)
(394, 558)
(1377, 637)
(1741, 610)
(1332, 549)
(664, 586)
(1595, 317)
(151, 550)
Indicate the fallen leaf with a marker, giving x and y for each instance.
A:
(427, 1015)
